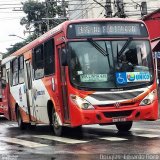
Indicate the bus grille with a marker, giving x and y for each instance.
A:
(121, 104)
(118, 114)
(115, 96)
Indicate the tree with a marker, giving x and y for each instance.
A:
(36, 11)
(14, 48)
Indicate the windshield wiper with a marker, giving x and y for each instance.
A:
(97, 46)
(119, 54)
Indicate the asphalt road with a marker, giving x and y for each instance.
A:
(97, 143)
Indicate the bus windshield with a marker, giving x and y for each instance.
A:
(110, 64)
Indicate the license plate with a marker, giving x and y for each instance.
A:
(119, 119)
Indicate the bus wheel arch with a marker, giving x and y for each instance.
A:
(54, 119)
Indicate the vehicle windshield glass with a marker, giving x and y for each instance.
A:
(105, 65)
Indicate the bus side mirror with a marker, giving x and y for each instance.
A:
(63, 57)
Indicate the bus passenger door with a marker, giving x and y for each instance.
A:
(6, 92)
(63, 86)
(29, 90)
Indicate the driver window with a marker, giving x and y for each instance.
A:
(143, 53)
(131, 56)
(134, 58)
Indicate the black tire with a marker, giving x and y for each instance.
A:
(32, 127)
(78, 131)
(21, 124)
(9, 112)
(124, 126)
(57, 128)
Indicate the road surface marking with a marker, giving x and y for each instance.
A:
(145, 129)
(147, 135)
(22, 142)
(133, 129)
(113, 139)
(60, 139)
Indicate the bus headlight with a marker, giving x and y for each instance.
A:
(81, 103)
(149, 98)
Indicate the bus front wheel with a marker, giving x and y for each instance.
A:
(124, 126)
(57, 127)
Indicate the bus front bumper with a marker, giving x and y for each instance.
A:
(111, 116)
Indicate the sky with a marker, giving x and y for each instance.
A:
(10, 21)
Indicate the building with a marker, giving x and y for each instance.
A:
(79, 9)
(152, 21)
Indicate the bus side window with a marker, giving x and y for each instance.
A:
(21, 70)
(38, 62)
(3, 77)
(49, 58)
(15, 72)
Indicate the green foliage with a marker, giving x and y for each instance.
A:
(19, 45)
(36, 11)
(14, 48)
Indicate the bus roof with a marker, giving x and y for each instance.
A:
(7, 59)
(57, 29)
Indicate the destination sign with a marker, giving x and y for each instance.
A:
(107, 29)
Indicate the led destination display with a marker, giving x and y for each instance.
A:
(106, 29)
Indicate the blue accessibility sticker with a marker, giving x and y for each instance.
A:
(121, 78)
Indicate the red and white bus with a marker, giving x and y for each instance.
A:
(93, 71)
